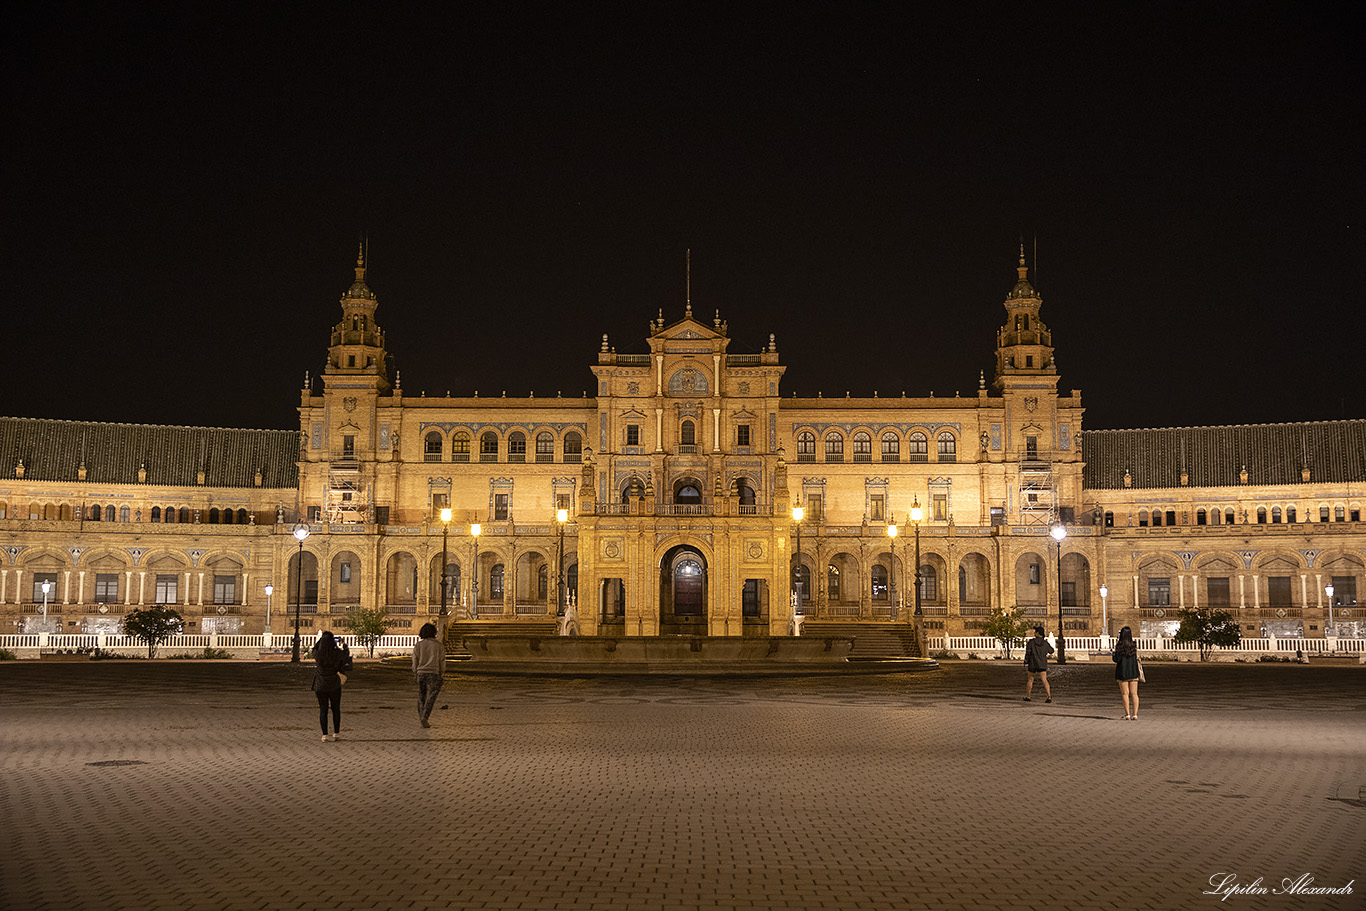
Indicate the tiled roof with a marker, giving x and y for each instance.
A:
(53, 450)
(1333, 451)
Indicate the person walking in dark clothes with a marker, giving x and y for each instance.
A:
(1128, 671)
(332, 661)
(429, 666)
(1037, 651)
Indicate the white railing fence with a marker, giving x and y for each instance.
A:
(193, 644)
(964, 645)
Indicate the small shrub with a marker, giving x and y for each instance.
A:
(7, 655)
(209, 652)
(101, 655)
(942, 654)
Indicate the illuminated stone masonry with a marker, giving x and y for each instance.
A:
(679, 479)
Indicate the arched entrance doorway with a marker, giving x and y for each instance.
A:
(683, 592)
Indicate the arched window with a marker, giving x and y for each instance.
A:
(213, 516)
(545, 446)
(745, 492)
(95, 513)
(488, 446)
(156, 513)
(806, 446)
(123, 514)
(879, 579)
(948, 447)
(834, 447)
(1275, 515)
(929, 583)
(1143, 518)
(1109, 520)
(1157, 518)
(1261, 515)
(1339, 514)
(1228, 516)
(227, 517)
(496, 582)
(687, 494)
(184, 514)
(687, 434)
(918, 446)
(573, 447)
(1290, 514)
(517, 447)
(1200, 517)
(832, 582)
(431, 447)
(460, 447)
(111, 513)
(863, 447)
(891, 447)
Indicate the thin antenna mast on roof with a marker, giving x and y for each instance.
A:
(688, 285)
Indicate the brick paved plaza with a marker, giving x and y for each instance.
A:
(941, 790)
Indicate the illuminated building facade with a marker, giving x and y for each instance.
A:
(679, 478)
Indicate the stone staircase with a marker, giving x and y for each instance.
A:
(871, 640)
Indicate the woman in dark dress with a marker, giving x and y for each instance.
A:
(1127, 671)
(332, 662)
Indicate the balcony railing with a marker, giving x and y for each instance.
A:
(684, 509)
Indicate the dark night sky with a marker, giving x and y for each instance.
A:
(184, 187)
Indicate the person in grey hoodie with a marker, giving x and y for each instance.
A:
(1037, 651)
(429, 666)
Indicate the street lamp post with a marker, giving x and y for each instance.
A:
(270, 590)
(798, 513)
(891, 564)
(918, 514)
(300, 532)
(1104, 616)
(474, 577)
(1328, 590)
(561, 516)
(445, 531)
(1059, 531)
(47, 587)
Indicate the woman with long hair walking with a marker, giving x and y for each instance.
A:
(1128, 671)
(332, 662)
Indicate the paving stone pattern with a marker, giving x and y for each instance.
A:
(173, 785)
